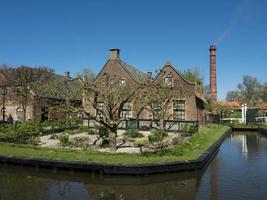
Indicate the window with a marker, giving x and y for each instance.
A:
(19, 109)
(178, 109)
(168, 82)
(157, 107)
(122, 81)
(99, 110)
(20, 114)
(105, 79)
(127, 110)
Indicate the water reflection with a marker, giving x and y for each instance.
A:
(238, 171)
(26, 183)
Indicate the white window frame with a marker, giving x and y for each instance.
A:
(168, 81)
(179, 109)
(122, 81)
(19, 109)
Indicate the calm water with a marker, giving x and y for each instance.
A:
(239, 171)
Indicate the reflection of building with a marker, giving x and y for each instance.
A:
(249, 143)
(182, 187)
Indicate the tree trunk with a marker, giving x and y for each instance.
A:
(162, 124)
(112, 141)
(24, 112)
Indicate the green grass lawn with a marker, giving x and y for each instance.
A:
(191, 150)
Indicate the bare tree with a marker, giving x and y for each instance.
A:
(249, 89)
(27, 81)
(105, 102)
(233, 95)
(7, 84)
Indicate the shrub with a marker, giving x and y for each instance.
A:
(141, 143)
(157, 135)
(156, 138)
(54, 136)
(105, 143)
(25, 132)
(64, 139)
(188, 130)
(133, 133)
(102, 131)
(81, 142)
(89, 130)
(71, 132)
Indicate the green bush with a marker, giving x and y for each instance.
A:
(62, 123)
(133, 133)
(141, 142)
(64, 139)
(71, 132)
(54, 136)
(81, 142)
(102, 131)
(157, 136)
(87, 129)
(25, 132)
(91, 132)
(188, 130)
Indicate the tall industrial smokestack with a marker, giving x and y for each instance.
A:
(213, 81)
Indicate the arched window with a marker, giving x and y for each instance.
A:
(3, 109)
(19, 109)
(122, 81)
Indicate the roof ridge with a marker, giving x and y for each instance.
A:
(136, 77)
(132, 67)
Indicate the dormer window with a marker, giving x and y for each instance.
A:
(168, 81)
(122, 81)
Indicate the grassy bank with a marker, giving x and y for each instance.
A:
(199, 142)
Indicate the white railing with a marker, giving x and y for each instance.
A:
(261, 120)
(231, 120)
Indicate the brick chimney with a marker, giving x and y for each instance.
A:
(149, 75)
(67, 74)
(114, 54)
(213, 80)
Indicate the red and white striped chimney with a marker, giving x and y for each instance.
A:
(213, 80)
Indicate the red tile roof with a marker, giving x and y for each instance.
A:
(262, 106)
(231, 104)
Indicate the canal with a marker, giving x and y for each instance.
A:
(238, 171)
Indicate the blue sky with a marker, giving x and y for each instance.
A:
(69, 35)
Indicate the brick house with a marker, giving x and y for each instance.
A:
(188, 108)
(37, 108)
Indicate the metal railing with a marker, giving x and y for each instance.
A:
(146, 124)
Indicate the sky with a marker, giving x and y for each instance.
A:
(69, 35)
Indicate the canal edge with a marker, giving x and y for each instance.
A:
(121, 169)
